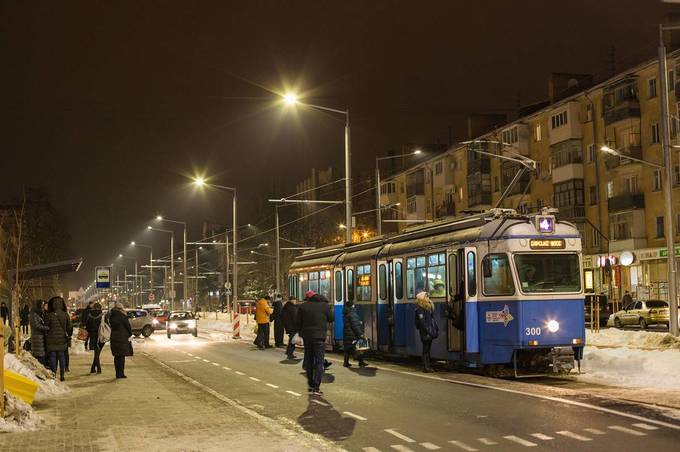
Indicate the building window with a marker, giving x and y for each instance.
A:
(590, 153)
(438, 168)
(671, 80)
(659, 227)
(569, 194)
(593, 195)
(589, 112)
(558, 120)
(651, 87)
(620, 226)
(510, 136)
(657, 180)
(496, 184)
(630, 184)
(655, 132)
(610, 189)
(676, 174)
(595, 237)
(411, 205)
(538, 133)
(539, 204)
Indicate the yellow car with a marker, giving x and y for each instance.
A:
(643, 313)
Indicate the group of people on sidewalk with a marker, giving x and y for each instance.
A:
(114, 328)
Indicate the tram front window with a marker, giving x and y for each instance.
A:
(548, 272)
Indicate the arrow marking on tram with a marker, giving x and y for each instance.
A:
(503, 316)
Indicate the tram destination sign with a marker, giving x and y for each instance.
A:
(546, 244)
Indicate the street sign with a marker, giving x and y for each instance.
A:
(152, 296)
(227, 292)
(102, 277)
(227, 285)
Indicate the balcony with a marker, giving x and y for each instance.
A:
(621, 101)
(572, 213)
(480, 165)
(628, 201)
(508, 171)
(614, 161)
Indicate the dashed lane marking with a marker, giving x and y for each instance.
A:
(573, 435)
(463, 446)
(206, 360)
(239, 373)
(430, 446)
(487, 441)
(319, 402)
(226, 368)
(645, 426)
(272, 386)
(215, 364)
(294, 393)
(355, 416)
(595, 431)
(542, 437)
(629, 431)
(393, 432)
(401, 448)
(370, 449)
(254, 379)
(518, 440)
(190, 354)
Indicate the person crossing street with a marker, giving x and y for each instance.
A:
(314, 316)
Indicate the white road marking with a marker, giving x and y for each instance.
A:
(630, 431)
(399, 435)
(206, 360)
(542, 437)
(226, 368)
(272, 386)
(573, 435)
(430, 446)
(370, 449)
(595, 431)
(190, 354)
(463, 446)
(487, 441)
(294, 393)
(355, 416)
(518, 440)
(401, 448)
(239, 373)
(254, 379)
(319, 402)
(215, 364)
(645, 427)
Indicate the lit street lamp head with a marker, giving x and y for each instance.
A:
(120, 255)
(199, 181)
(608, 150)
(149, 228)
(159, 218)
(290, 99)
(417, 152)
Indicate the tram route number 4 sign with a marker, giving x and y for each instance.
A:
(503, 316)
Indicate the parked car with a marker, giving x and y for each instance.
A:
(643, 313)
(141, 322)
(159, 318)
(605, 308)
(182, 322)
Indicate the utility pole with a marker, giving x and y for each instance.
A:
(278, 253)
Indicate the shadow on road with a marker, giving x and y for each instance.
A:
(321, 418)
(364, 371)
(328, 378)
(291, 361)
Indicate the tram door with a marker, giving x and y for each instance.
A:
(338, 304)
(383, 306)
(395, 294)
(456, 300)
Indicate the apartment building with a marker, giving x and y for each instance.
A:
(616, 203)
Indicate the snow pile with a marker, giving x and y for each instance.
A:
(30, 368)
(631, 367)
(19, 416)
(612, 337)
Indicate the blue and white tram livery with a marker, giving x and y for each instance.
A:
(507, 289)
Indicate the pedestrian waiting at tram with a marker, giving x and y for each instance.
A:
(288, 318)
(427, 326)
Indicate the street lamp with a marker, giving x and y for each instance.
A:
(378, 207)
(135, 244)
(172, 262)
(291, 99)
(136, 289)
(184, 252)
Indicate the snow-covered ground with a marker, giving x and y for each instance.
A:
(612, 337)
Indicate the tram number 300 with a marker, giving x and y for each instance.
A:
(532, 331)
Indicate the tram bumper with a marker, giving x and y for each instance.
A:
(553, 359)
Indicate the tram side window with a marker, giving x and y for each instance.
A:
(314, 281)
(325, 283)
(471, 274)
(338, 286)
(416, 276)
(497, 275)
(304, 283)
(382, 282)
(350, 284)
(398, 281)
(363, 282)
(436, 270)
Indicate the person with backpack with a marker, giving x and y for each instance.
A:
(38, 332)
(353, 329)
(427, 326)
(57, 337)
(94, 321)
(121, 332)
(288, 316)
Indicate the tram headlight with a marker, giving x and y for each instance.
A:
(553, 326)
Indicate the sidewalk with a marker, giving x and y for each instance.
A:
(152, 410)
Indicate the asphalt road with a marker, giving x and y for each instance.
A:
(376, 409)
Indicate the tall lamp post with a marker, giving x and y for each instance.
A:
(135, 244)
(135, 288)
(291, 99)
(378, 207)
(172, 263)
(184, 252)
(200, 182)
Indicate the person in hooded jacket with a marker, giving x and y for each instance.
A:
(288, 318)
(427, 326)
(121, 331)
(277, 305)
(38, 332)
(353, 329)
(94, 320)
(24, 318)
(313, 317)
(57, 337)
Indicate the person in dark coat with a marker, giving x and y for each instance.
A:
(59, 325)
(4, 312)
(24, 318)
(353, 329)
(427, 326)
(288, 318)
(38, 332)
(94, 320)
(84, 316)
(313, 317)
(278, 323)
(121, 332)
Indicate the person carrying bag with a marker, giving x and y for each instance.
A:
(427, 326)
(353, 335)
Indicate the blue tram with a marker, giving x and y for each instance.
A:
(507, 289)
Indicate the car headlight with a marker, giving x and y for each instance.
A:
(155, 321)
(173, 325)
(553, 326)
(191, 323)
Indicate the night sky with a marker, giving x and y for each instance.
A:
(111, 105)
